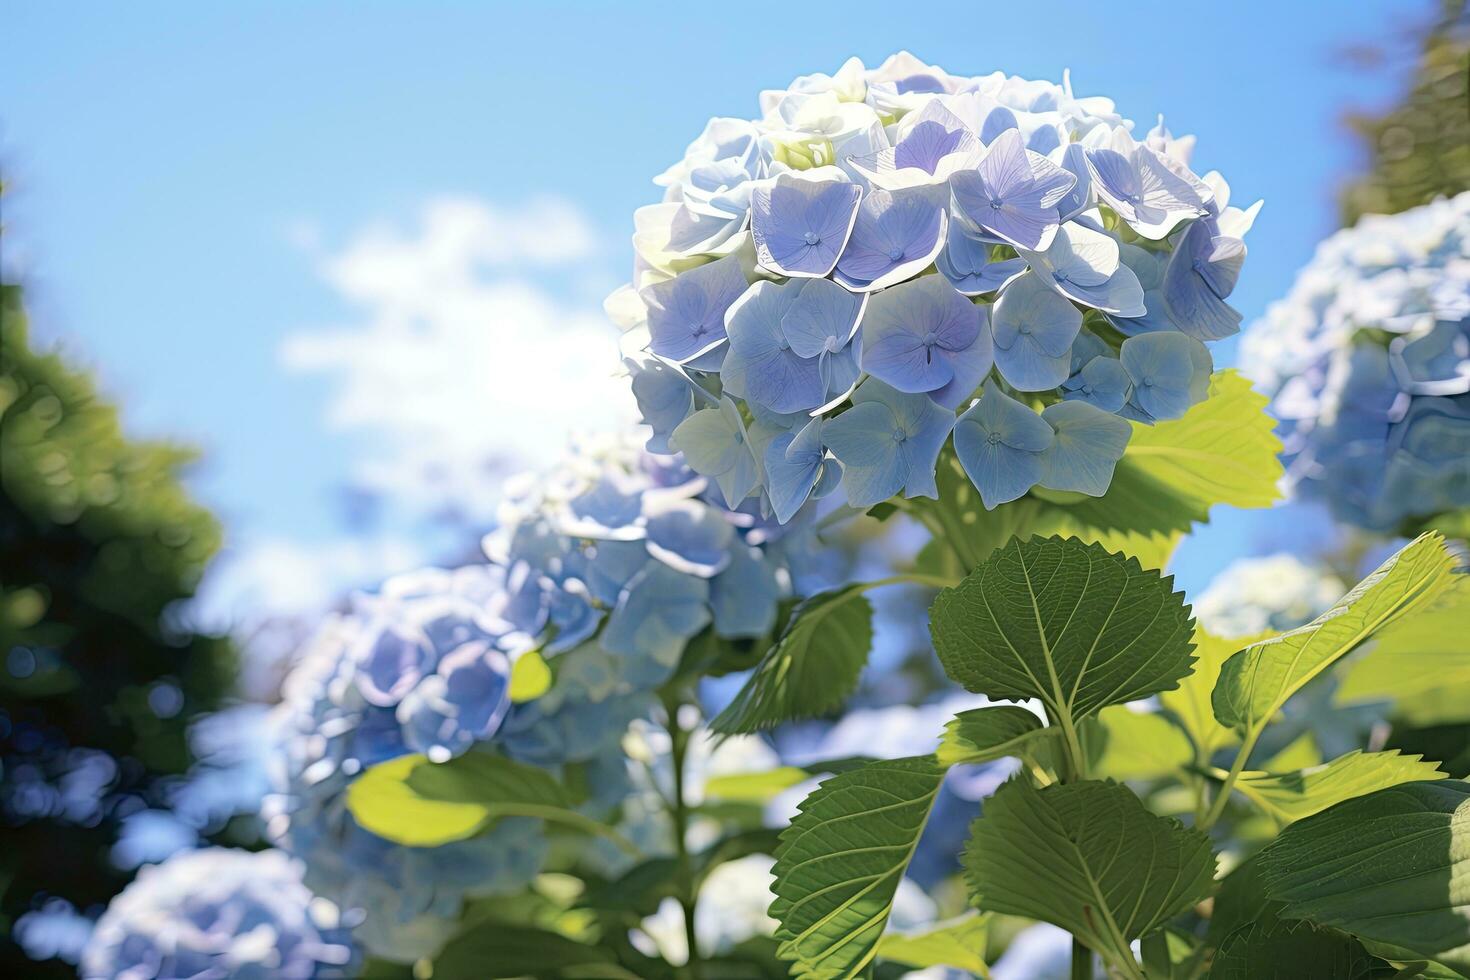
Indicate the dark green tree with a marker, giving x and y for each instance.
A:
(1420, 148)
(98, 680)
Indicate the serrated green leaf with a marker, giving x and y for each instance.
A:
(1392, 867)
(1088, 857)
(418, 803)
(1128, 744)
(1278, 950)
(841, 860)
(983, 734)
(812, 669)
(1066, 622)
(1290, 796)
(1421, 664)
(958, 943)
(1257, 681)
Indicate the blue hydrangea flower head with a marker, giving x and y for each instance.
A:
(220, 912)
(604, 568)
(888, 442)
(1367, 359)
(922, 232)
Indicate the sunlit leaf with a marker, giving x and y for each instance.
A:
(959, 943)
(1289, 796)
(983, 734)
(1128, 744)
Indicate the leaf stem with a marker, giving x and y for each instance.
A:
(684, 877)
(1222, 796)
(1081, 961)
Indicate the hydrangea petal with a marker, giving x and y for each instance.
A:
(743, 597)
(965, 261)
(1102, 383)
(800, 226)
(714, 443)
(1034, 327)
(761, 365)
(1170, 372)
(823, 318)
(896, 236)
(659, 611)
(1199, 276)
(998, 442)
(795, 464)
(920, 336)
(688, 535)
(1087, 446)
(665, 398)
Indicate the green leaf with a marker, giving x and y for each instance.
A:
(1290, 796)
(1065, 622)
(1088, 857)
(841, 860)
(1190, 702)
(1421, 664)
(1294, 951)
(492, 950)
(1257, 681)
(983, 734)
(530, 677)
(813, 667)
(1128, 744)
(754, 787)
(418, 803)
(1392, 868)
(959, 943)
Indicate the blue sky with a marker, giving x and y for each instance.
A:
(204, 199)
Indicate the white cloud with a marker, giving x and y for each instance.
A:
(465, 366)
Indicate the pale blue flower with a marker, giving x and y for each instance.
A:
(1148, 267)
(391, 661)
(966, 262)
(461, 703)
(714, 443)
(1199, 276)
(1088, 443)
(999, 443)
(1013, 194)
(659, 611)
(1170, 372)
(924, 336)
(688, 535)
(790, 344)
(800, 226)
(1034, 327)
(934, 145)
(888, 442)
(1083, 266)
(1142, 188)
(897, 236)
(743, 597)
(219, 912)
(665, 398)
(1079, 198)
(797, 466)
(686, 314)
(1102, 383)
(1433, 363)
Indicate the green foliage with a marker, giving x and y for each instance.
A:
(100, 538)
(983, 734)
(1421, 664)
(1420, 148)
(1258, 680)
(1128, 744)
(812, 669)
(491, 950)
(1280, 950)
(1289, 796)
(1392, 868)
(1088, 857)
(418, 803)
(1190, 704)
(959, 943)
(841, 860)
(1065, 622)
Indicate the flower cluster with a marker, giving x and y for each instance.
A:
(1368, 360)
(824, 288)
(600, 573)
(1275, 592)
(219, 912)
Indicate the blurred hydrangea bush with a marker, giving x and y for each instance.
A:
(1368, 360)
(600, 573)
(888, 256)
(219, 912)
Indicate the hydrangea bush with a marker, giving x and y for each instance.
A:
(599, 575)
(889, 257)
(219, 912)
(1368, 360)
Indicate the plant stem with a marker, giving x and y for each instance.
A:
(1081, 960)
(1247, 745)
(684, 882)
